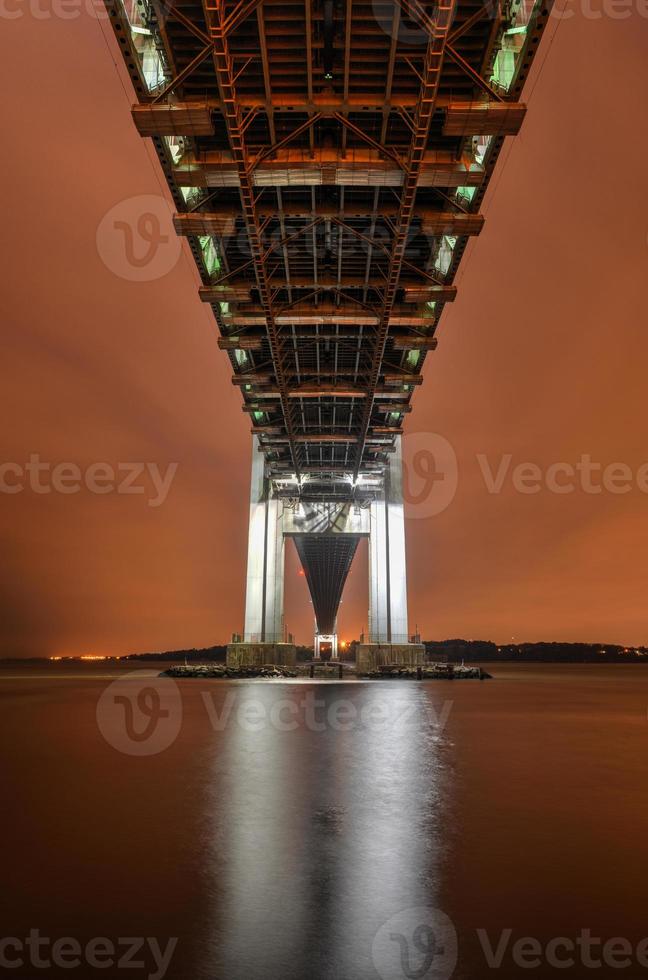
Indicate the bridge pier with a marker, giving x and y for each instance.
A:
(388, 640)
(264, 635)
(326, 535)
(387, 566)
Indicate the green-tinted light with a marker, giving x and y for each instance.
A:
(210, 254)
(443, 259)
(467, 193)
(145, 44)
(504, 68)
(190, 194)
(176, 147)
(480, 147)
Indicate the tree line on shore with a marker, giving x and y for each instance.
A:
(454, 651)
(541, 652)
(451, 651)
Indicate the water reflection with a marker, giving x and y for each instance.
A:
(326, 822)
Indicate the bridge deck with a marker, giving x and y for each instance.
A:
(328, 161)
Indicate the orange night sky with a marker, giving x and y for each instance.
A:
(542, 357)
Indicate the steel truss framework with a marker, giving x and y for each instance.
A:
(328, 160)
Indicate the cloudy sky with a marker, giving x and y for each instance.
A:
(542, 360)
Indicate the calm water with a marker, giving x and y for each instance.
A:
(286, 823)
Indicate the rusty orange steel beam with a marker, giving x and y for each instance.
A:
(221, 221)
(438, 29)
(218, 24)
(484, 118)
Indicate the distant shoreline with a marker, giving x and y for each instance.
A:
(453, 651)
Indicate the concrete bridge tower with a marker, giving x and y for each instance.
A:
(326, 534)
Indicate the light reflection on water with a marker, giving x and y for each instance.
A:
(280, 854)
(321, 836)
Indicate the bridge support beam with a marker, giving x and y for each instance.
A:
(329, 525)
(388, 641)
(387, 568)
(264, 636)
(265, 565)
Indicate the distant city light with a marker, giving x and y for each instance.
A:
(85, 656)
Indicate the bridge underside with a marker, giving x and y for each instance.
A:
(328, 160)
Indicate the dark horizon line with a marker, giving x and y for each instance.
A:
(456, 647)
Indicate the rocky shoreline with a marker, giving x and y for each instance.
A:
(426, 672)
(222, 671)
(273, 672)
